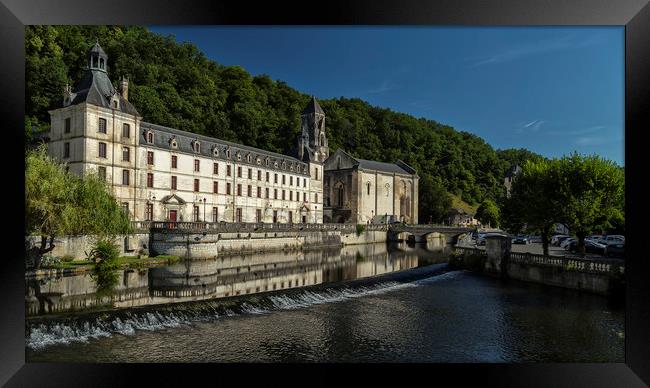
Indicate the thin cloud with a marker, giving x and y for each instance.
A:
(592, 140)
(576, 132)
(532, 126)
(385, 86)
(565, 42)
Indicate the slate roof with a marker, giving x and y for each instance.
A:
(381, 166)
(513, 171)
(312, 107)
(184, 139)
(95, 88)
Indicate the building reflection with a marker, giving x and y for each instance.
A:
(220, 278)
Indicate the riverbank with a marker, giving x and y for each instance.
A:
(78, 267)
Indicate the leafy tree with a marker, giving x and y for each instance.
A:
(533, 204)
(488, 213)
(591, 193)
(60, 203)
(435, 201)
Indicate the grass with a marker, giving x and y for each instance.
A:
(458, 203)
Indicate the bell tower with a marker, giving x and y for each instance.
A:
(313, 132)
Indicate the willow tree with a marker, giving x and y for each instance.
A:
(60, 203)
(533, 204)
(591, 191)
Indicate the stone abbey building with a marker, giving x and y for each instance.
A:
(161, 173)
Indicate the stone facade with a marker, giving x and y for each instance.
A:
(160, 173)
(362, 191)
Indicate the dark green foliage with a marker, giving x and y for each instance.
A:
(488, 213)
(104, 254)
(360, 229)
(174, 84)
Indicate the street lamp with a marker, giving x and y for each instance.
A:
(204, 209)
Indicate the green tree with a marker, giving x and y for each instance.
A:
(434, 200)
(533, 204)
(60, 203)
(591, 193)
(488, 213)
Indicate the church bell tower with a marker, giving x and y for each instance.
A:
(313, 138)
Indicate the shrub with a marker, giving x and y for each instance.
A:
(104, 254)
(50, 261)
(67, 258)
(360, 229)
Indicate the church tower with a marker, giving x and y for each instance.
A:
(313, 141)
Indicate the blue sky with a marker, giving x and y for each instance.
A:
(551, 90)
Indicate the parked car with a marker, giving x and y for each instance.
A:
(615, 250)
(534, 239)
(566, 242)
(560, 239)
(590, 247)
(555, 240)
(613, 239)
(520, 239)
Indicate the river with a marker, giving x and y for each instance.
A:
(369, 303)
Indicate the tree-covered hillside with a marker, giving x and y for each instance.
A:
(174, 84)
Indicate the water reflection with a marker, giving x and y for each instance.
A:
(224, 277)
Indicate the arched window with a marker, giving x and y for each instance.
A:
(101, 63)
(150, 137)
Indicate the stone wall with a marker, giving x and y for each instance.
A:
(78, 246)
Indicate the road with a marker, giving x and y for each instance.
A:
(535, 248)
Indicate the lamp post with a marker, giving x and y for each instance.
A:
(204, 209)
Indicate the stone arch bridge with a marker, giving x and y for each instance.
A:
(425, 233)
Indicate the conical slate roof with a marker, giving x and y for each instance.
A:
(313, 107)
(97, 49)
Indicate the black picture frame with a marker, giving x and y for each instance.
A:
(633, 14)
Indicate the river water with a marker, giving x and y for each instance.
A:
(370, 303)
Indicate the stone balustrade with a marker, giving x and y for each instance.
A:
(225, 227)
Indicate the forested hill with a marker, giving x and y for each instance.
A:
(174, 84)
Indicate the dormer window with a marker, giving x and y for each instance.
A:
(196, 146)
(249, 158)
(228, 153)
(284, 165)
(268, 162)
(238, 156)
(215, 151)
(291, 167)
(173, 143)
(149, 136)
(259, 160)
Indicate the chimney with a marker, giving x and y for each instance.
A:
(124, 88)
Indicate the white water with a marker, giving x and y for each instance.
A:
(44, 335)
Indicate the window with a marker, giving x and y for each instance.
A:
(125, 177)
(259, 192)
(368, 187)
(174, 161)
(290, 195)
(316, 201)
(304, 197)
(126, 130)
(67, 125)
(150, 137)
(297, 196)
(196, 146)
(250, 173)
(196, 185)
(102, 125)
(173, 182)
(316, 177)
(196, 165)
(258, 219)
(259, 175)
(195, 213)
(275, 193)
(66, 150)
(283, 195)
(228, 188)
(149, 215)
(239, 190)
(125, 154)
(150, 158)
(304, 182)
(215, 187)
(267, 176)
(239, 172)
(250, 191)
(215, 168)
(275, 178)
(149, 180)
(266, 193)
(102, 150)
(238, 214)
(101, 171)
(215, 214)
(290, 181)
(228, 170)
(284, 179)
